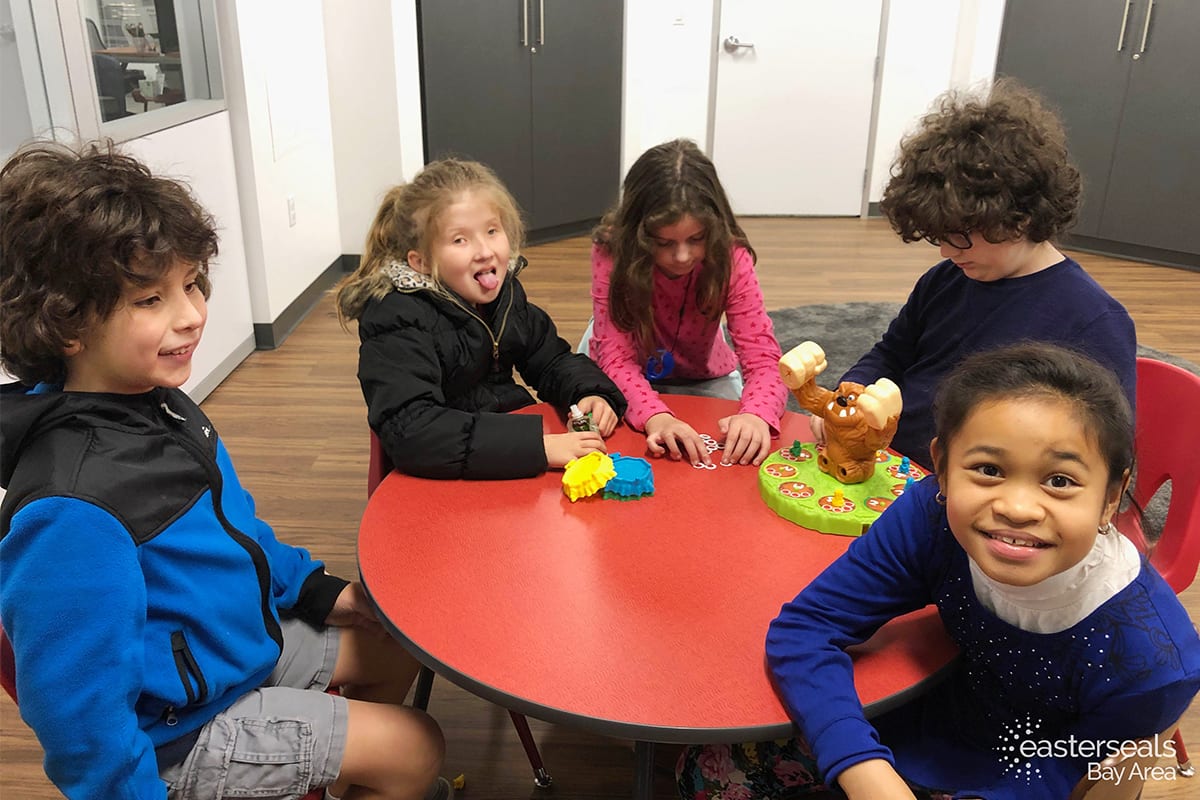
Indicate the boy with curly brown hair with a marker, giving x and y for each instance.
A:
(166, 643)
(986, 178)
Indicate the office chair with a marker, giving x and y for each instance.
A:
(114, 79)
(1167, 428)
(378, 468)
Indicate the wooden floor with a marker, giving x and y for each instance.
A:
(295, 422)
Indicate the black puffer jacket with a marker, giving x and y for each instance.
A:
(437, 377)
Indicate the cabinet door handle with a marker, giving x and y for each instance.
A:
(541, 22)
(1124, 22)
(1145, 31)
(525, 22)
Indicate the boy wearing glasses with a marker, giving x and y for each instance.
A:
(985, 178)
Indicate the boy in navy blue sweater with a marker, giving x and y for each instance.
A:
(166, 643)
(986, 179)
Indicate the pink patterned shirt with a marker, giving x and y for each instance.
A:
(699, 351)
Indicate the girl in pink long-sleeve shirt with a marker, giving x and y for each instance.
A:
(667, 264)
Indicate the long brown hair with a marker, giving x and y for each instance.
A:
(668, 181)
(409, 219)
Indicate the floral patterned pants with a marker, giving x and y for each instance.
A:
(784, 769)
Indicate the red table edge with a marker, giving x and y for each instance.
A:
(661, 734)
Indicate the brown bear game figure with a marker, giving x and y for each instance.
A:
(859, 421)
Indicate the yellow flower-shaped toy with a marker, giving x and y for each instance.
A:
(586, 475)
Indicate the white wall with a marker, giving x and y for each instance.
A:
(932, 45)
(667, 74)
(200, 154)
(277, 90)
(375, 106)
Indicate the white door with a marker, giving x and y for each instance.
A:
(793, 104)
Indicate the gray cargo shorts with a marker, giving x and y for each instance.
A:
(279, 741)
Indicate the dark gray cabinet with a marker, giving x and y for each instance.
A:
(1125, 75)
(532, 88)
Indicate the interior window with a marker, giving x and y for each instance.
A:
(140, 61)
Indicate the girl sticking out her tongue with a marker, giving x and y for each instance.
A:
(443, 321)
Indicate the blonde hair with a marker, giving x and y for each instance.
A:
(408, 219)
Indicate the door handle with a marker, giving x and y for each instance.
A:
(1124, 22)
(1145, 31)
(525, 22)
(732, 45)
(541, 22)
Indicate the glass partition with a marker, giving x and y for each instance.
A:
(147, 55)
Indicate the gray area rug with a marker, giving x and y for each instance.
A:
(847, 330)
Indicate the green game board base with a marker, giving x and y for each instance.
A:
(794, 487)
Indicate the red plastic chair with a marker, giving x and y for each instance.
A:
(378, 468)
(1165, 444)
(8, 681)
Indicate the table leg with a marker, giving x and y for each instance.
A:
(643, 778)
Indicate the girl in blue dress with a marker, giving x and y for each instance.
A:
(1071, 642)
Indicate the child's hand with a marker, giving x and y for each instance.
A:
(603, 417)
(351, 609)
(817, 426)
(747, 439)
(667, 435)
(563, 447)
(874, 779)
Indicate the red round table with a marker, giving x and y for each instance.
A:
(640, 619)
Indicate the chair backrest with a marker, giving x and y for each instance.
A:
(94, 39)
(8, 666)
(1166, 443)
(379, 465)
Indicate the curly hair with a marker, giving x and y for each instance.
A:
(992, 161)
(78, 226)
(409, 218)
(667, 181)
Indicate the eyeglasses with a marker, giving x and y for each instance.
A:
(959, 241)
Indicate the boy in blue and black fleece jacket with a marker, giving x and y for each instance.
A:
(166, 643)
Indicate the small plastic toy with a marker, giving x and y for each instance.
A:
(796, 448)
(580, 422)
(586, 475)
(859, 420)
(634, 479)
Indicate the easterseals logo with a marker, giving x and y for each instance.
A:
(1111, 760)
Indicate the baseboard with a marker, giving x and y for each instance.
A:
(1133, 252)
(222, 371)
(268, 336)
(556, 232)
(873, 210)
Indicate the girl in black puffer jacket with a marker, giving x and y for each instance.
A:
(443, 320)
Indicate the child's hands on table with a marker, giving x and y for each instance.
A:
(603, 417)
(564, 447)
(667, 435)
(747, 439)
